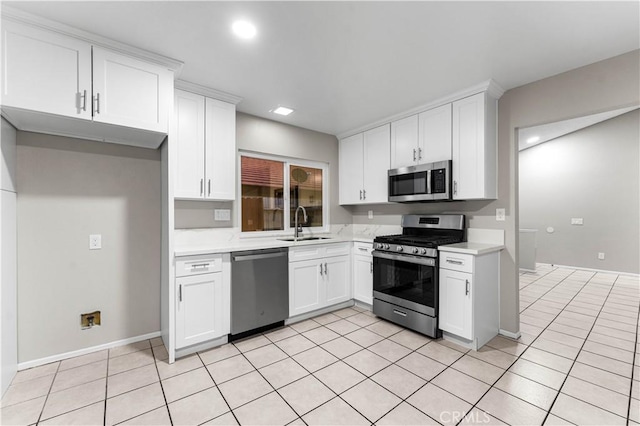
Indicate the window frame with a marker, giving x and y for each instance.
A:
(287, 163)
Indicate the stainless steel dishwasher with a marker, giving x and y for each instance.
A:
(259, 290)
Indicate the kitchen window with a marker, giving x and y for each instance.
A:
(273, 187)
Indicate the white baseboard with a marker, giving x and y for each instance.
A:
(510, 334)
(202, 346)
(322, 311)
(580, 268)
(66, 355)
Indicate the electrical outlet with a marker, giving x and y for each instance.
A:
(601, 256)
(501, 215)
(577, 221)
(222, 214)
(89, 320)
(95, 242)
(370, 214)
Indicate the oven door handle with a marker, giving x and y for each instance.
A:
(427, 261)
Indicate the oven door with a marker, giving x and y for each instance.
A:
(407, 281)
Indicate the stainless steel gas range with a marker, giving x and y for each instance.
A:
(405, 270)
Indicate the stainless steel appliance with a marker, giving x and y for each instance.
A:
(425, 182)
(259, 290)
(405, 270)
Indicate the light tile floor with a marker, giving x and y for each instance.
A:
(577, 362)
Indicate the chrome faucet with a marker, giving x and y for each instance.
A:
(298, 228)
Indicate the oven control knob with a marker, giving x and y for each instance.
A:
(399, 248)
(424, 251)
(379, 246)
(387, 246)
(415, 250)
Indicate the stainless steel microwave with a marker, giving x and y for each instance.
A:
(425, 182)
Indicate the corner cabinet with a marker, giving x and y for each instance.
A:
(364, 163)
(475, 147)
(319, 276)
(203, 299)
(469, 298)
(205, 136)
(51, 78)
(363, 272)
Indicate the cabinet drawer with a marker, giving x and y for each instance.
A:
(456, 262)
(318, 251)
(196, 265)
(362, 249)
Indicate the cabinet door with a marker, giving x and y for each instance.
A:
(404, 142)
(45, 71)
(363, 278)
(455, 303)
(305, 290)
(199, 312)
(129, 92)
(220, 150)
(468, 148)
(351, 169)
(188, 135)
(435, 135)
(376, 165)
(337, 279)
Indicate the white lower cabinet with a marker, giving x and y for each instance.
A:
(469, 310)
(202, 299)
(363, 272)
(319, 276)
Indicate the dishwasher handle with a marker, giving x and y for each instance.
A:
(243, 257)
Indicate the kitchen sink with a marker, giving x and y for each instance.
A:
(304, 238)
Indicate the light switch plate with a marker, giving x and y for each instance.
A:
(95, 242)
(222, 214)
(577, 221)
(370, 214)
(501, 215)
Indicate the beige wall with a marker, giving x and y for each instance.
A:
(71, 188)
(593, 174)
(598, 87)
(266, 136)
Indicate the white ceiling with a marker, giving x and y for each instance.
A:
(342, 65)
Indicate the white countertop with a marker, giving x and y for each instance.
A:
(263, 243)
(473, 248)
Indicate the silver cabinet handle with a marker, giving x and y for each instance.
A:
(361, 194)
(97, 103)
(466, 288)
(209, 187)
(84, 100)
(371, 267)
(455, 187)
(414, 154)
(455, 262)
(402, 314)
(201, 186)
(320, 269)
(199, 266)
(180, 293)
(325, 269)
(364, 194)
(419, 153)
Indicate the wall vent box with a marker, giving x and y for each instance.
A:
(90, 319)
(222, 214)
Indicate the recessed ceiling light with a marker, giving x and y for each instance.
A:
(244, 29)
(533, 139)
(282, 110)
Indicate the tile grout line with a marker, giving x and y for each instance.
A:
(48, 393)
(164, 396)
(218, 388)
(106, 392)
(635, 355)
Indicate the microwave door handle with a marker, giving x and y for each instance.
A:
(428, 181)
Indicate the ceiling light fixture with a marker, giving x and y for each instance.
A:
(533, 139)
(244, 29)
(282, 110)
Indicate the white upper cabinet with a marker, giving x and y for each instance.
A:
(129, 92)
(434, 134)
(62, 85)
(421, 138)
(205, 136)
(474, 148)
(45, 71)
(364, 163)
(404, 142)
